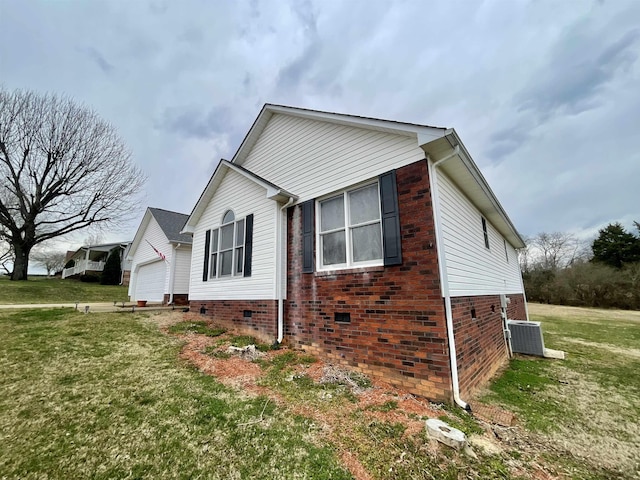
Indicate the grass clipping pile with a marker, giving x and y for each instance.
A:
(378, 429)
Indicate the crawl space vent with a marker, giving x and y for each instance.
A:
(526, 337)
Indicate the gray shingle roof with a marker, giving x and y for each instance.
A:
(171, 223)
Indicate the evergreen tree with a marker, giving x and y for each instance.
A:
(112, 268)
(615, 246)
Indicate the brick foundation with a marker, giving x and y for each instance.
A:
(397, 326)
(480, 344)
(231, 314)
(179, 299)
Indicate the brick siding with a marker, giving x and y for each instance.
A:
(231, 314)
(126, 277)
(179, 299)
(397, 326)
(480, 344)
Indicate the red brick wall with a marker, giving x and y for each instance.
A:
(126, 277)
(480, 345)
(180, 299)
(230, 313)
(397, 328)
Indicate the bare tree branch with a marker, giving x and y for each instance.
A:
(62, 169)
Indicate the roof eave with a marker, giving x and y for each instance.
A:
(463, 156)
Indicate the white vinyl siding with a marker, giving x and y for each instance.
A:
(310, 158)
(244, 197)
(471, 268)
(144, 254)
(183, 262)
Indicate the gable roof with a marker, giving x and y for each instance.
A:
(273, 191)
(437, 143)
(171, 224)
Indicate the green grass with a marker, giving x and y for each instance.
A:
(56, 290)
(105, 396)
(590, 402)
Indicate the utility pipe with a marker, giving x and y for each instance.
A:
(279, 260)
(444, 281)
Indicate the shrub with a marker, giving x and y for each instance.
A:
(88, 278)
(112, 272)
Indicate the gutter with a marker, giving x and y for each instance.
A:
(279, 270)
(444, 281)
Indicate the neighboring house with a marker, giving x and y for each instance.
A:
(160, 259)
(373, 243)
(90, 259)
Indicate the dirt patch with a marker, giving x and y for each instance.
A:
(628, 352)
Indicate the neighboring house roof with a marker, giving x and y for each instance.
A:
(437, 143)
(103, 247)
(170, 223)
(273, 192)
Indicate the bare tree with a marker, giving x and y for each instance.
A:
(62, 169)
(557, 249)
(51, 260)
(6, 256)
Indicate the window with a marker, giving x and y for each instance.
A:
(227, 247)
(506, 253)
(484, 231)
(350, 229)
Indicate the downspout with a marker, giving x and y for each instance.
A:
(444, 281)
(279, 261)
(172, 272)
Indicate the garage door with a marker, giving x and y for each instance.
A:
(150, 282)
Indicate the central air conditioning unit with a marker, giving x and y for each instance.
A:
(526, 337)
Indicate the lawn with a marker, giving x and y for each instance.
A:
(588, 405)
(105, 396)
(56, 290)
(113, 395)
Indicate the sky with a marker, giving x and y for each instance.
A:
(544, 94)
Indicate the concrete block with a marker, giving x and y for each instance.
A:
(446, 434)
(549, 353)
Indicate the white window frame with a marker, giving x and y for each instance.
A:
(214, 249)
(485, 233)
(350, 263)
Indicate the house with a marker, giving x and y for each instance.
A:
(373, 243)
(90, 259)
(160, 259)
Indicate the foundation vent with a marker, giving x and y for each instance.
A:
(526, 337)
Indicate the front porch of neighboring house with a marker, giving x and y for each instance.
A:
(91, 259)
(82, 267)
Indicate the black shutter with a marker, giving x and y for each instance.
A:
(248, 244)
(207, 242)
(307, 236)
(391, 241)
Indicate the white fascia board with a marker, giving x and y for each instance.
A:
(272, 193)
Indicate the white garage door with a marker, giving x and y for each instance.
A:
(150, 282)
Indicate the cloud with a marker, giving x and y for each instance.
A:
(99, 60)
(581, 66)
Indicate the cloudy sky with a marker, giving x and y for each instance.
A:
(545, 94)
